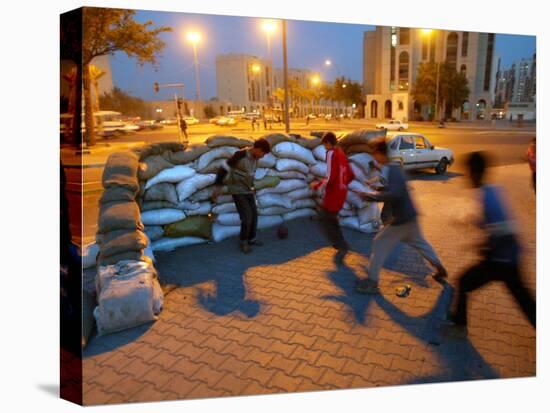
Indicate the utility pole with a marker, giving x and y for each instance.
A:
(285, 79)
(197, 71)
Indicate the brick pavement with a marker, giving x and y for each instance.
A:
(286, 319)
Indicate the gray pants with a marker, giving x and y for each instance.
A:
(391, 235)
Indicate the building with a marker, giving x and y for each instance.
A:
(245, 82)
(392, 56)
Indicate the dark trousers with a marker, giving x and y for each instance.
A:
(331, 228)
(534, 177)
(246, 207)
(485, 272)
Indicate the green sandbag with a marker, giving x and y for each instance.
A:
(117, 194)
(275, 138)
(222, 140)
(189, 155)
(123, 256)
(358, 148)
(122, 240)
(360, 136)
(119, 215)
(158, 148)
(121, 170)
(308, 142)
(267, 182)
(152, 166)
(193, 226)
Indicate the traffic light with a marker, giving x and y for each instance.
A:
(156, 86)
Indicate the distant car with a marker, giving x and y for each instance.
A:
(214, 120)
(393, 125)
(328, 116)
(166, 122)
(251, 115)
(312, 116)
(190, 120)
(149, 125)
(414, 151)
(227, 121)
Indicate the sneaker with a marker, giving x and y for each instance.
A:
(366, 286)
(256, 242)
(245, 248)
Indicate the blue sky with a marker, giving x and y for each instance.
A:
(309, 45)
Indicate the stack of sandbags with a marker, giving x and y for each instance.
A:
(129, 294)
(357, 141)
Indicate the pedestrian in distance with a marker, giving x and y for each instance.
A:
(307, 120)
(238, 175)
(335, 188)
(183, 127)
(532, 159)
(402, 225)
(254, 123)
(264, 120)
(500, 251)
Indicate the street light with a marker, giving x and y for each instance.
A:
(268, 27)
(315, 80)
(194, 38)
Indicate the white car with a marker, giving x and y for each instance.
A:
(414, 151)
(190, 120)
(393, 125)
(226, 121)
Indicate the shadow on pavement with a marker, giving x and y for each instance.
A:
(432, 176)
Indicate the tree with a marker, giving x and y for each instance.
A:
(121, 101)
(107, 31)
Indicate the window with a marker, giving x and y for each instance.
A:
(464, 44)
(420, 143)
(404, 35)
(394, 144)
(392, 57)
(403, 71)
(452, 49)
(407, 142)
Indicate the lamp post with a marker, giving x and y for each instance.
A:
(194, 38)
(285, 79)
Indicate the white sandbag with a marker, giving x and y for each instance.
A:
(319, 169)
(148, 251)
(353, 223)
(213, 154)
(162, 216)
(358, 187)
(170, 244)
(204, 194)
(286, 185)
(154, 232)
(269, 200)
(292, 150)
(299, 213)
(268, 221)
(188, 205)
(304, 203)
(229, 218)
(320, 153)
(194, 184)
(267, 161)
(127, 296)
(344, 213)
(176, 174)
(221, 232)
(88, 254)
(214, 166)
(362, 160)
(358, 172)
(274, 210)
(260, 173)
(224, 208)
(286, 174)
(300, 193)
(355, 200)
(347, 206)
(204, 209)
(369, 213)
(291, 165)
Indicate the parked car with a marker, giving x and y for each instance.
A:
(414, 151)
(214, 120)
(227, 121)
(393, 125)
(190, 120)
(251, 115)
(149, 125)
(312, 116)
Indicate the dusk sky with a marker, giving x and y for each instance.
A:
(309, 45)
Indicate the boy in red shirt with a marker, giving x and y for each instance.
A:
(335, 186)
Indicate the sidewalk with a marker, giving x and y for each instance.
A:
(286, 319)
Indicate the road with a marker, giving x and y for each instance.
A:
(507, 143)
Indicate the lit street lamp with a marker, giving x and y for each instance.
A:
(194, 38)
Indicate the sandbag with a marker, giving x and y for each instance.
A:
(121, 169)
(353, 223)
(116, 258)
(274, 210)
(152, 166)
(117, 194)
(268, 221)
(260, 173)
(363, 160)
(183, 157)
(162, 216)
(88, 254)
(224, 208)
(308, 142)
(159, 148)
(267, 161)
(355, 200)
(304, 203)
(204, 194)
(369, 213)
(194, 184)
(286, 174)
(221, 140)
(346, 213)
(266, 182)
(214, 166)
(173, 175)
(154, 232)
(224, 198)
(127, 296)
(269, 200)
(164, 191)
(276, 138)
(360, 136)
(221, 232)
(285, 185)
(358, 172)
(290, 150)
(120, 241)
(358, 187)
(193, 226)
(357, 148)
(151, 205)
(204, 209)
(170, 244)
(213, 154)
(319, 169)
(229, 218)
(299, 213)
(320, 153)
(119, 215)
(291, 165)
(300, 193)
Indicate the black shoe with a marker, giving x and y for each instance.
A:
(256, 242)
(245, 248)
(440, 274)
(339, 257)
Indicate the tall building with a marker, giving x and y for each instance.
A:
(392, 56)
(304, 77)
(244, 81)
